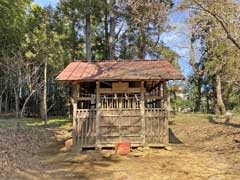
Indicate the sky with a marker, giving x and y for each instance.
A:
(46, 2)
(177, 38)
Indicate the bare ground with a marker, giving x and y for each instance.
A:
(202, 148)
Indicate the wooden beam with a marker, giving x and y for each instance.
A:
(86, 98)
(98, 115)
(105, 90)
(110, 91)
(120, 87)
(109, 84)
(154, 97)
(166, 112)
(142, 111)
(156, 145)
(134, 90)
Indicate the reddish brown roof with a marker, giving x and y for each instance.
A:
(120, 70)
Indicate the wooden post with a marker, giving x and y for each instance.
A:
(166, 112)
(98, 115)
(75, 97)
(142, 112)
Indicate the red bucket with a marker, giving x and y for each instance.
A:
(122, 148)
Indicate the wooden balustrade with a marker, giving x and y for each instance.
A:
(106, 118)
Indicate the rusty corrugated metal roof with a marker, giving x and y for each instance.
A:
(120, 70)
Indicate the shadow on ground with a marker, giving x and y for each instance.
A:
(86, 165)
(173, 139)
(226, 122)
(56, 163)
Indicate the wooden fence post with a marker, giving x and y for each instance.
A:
(166, 112)
(98, 114)
(142, 112)
(75, 97)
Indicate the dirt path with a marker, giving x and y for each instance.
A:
(202, 149)
(180, 163)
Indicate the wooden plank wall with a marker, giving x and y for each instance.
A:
(86, 127)
(140, 118)
(155, 128)
(120, 125)
(156, 115)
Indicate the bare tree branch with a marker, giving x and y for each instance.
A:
(221, 22)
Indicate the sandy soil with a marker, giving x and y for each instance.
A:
(202, 148)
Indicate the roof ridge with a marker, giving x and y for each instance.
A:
(121, 60)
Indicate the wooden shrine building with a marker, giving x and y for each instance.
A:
(116, 101)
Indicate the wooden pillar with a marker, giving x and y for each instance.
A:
(75, 97)
(166, 112)
(98, 114)
(142, 111)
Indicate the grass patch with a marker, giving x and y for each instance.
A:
(53, 122)
(201, 117)
(190, 117)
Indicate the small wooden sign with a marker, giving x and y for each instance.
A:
(121, 87)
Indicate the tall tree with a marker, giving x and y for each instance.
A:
(12, 29)
(145, 21)
(218, 50)
(110, 25)
(42, 47)
(71, 23)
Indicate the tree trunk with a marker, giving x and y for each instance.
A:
(175, 102)
(0, 104)
(197, 75)
(106, 49)
(207, 105)
(88, 37)
(16, 102)
(6, 102)
(1, 98)
(25, 103)
(74, 41)
(220, 103)
(111, 36)
(142, 45)
(43, 96)
(199, 95)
